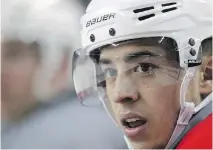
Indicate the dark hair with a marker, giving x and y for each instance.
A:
(206, 46)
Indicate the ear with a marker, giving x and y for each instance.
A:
(206, 77)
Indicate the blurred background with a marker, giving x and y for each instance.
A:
(39, 106)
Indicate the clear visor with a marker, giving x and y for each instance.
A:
(123, 68)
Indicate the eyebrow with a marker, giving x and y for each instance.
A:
(131, 57)
(104, 61)
(134, 56)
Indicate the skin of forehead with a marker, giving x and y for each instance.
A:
(118, 53)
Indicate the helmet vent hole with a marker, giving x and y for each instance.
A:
(168, 4)
(146, 17)
(169, 9)
(143, 9)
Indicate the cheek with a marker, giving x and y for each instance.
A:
(162, 103)
(113, 108)
(162, 107)
(160, 96)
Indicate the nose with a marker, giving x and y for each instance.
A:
(125, 89)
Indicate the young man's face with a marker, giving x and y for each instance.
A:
(143, 92)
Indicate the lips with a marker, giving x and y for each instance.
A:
(133, 124)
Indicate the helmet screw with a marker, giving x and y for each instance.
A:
(92, 38)
(192, 52)
(191, 42)
(112, 31)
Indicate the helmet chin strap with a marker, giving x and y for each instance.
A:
(187, 108)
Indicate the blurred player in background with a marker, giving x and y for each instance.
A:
(39, 105)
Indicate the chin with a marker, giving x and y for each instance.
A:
(146, 145)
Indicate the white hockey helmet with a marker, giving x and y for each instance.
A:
(131, 19)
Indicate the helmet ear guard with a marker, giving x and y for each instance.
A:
(191, 54)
